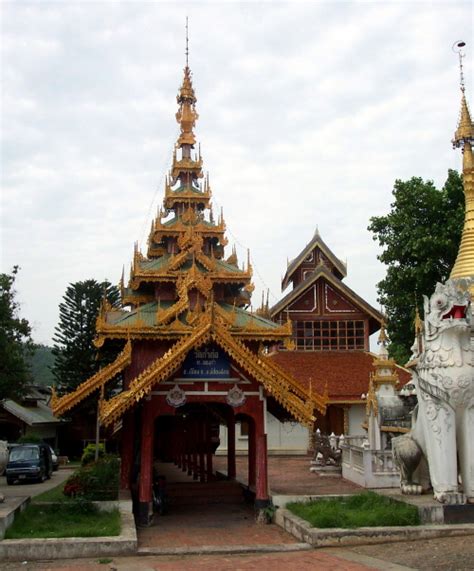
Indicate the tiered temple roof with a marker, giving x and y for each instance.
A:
(184, 293)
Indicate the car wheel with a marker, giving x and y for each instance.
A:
(10, 481)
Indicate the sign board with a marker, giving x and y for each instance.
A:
(207, 362)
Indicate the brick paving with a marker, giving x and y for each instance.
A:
(304, 561)
(228, 525)
(234, 524)
(291, 475)
(217, 525)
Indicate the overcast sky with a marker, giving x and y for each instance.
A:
(309, 111)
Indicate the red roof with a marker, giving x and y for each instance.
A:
(345, 372)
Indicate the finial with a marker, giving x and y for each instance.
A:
(187, 43)
(458, 47)
(383, 339)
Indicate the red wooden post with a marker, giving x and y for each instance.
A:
(252, 460)
(202, 445)
(210, 474)
(194, 440)
(231, 472)
(146, 466)
(126, 450)
(189, 463)
(261, 487)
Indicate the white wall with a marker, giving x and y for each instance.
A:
(356, 418)
(283, 438)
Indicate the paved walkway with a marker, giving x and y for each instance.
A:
(228, 525)
(27, 489)
(216, 525)
(291, 475)
(304, 561)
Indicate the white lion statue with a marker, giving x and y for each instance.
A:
(443, 428)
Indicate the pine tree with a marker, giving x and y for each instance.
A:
(76, 357)
(15, 341)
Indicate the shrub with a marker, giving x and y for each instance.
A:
(96, 481)
(30, 439)
(88, 454)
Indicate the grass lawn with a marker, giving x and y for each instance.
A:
(366, 509)
(64, 520)
(53, 495)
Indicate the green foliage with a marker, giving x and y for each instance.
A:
(366, 509)
(31, 438)
(98, 481)
(420, 239)
(41, 361)
(53, 495)
(64, 520)
(88, 455)
(15, 341)
(76, 358)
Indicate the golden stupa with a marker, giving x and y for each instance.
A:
(464, 139)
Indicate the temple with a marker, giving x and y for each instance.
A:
(331, 330)
(192, 357)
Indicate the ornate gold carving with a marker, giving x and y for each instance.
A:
(62, 404)
(161, 369)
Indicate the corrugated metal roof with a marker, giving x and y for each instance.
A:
(40, 414)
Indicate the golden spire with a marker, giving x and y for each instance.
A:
(383, 339)
(464, 139)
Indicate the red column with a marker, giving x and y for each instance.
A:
(180, 451)
(189, 443)
(194, 440)
(126, 450)
(146, 466)
(261, 487)
(261, 483)
(209, 471)
(202, 448)
(231, 446)
(252, 459)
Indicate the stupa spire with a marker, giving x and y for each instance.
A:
(464, 139)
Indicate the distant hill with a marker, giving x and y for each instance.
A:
(40, 363)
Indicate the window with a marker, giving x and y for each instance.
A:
(329, 335)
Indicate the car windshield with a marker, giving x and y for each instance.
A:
(24, 453)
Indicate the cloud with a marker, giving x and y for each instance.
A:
(308, 113)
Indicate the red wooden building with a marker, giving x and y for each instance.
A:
(331, 329)
(192, 356)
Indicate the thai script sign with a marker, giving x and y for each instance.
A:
(206, 363)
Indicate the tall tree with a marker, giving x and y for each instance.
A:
(420, 239)
(15, 341)
(76, 357)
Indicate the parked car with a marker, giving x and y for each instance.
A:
(31, 462)
(54, 459)
(3, 456)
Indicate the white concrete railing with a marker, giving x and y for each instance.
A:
(368, 468)
(383, 463)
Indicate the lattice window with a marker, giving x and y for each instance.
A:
(329, 335)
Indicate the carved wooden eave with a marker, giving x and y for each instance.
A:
(187, 196)
(60, 405)
(315, 242)
(161, 230)
(323, 272)
(167, 325)
(278, 383)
